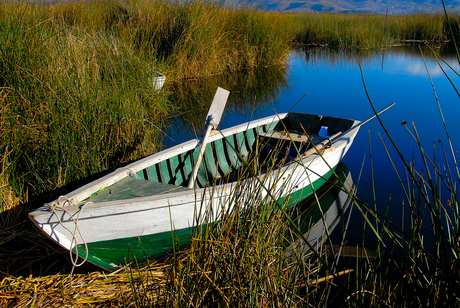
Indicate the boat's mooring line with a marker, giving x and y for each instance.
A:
(58, 205)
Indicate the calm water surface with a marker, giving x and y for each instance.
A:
(335, 87)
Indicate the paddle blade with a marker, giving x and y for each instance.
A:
(217, 107)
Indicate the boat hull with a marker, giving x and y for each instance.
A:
(113, 253)
(111, 232)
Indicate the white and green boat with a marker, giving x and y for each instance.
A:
(137, 211)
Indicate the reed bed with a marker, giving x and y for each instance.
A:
(371, 31)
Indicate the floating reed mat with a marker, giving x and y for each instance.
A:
(35, 272)
(81, 289)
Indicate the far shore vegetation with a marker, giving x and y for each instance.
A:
(76, 101)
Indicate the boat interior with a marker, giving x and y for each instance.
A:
(263, 147)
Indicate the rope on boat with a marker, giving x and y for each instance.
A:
(60, 204)
(134, 175)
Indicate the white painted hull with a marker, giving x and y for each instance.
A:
(71, 224)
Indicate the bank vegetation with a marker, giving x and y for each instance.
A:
(77, 101)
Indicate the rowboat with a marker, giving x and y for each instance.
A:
(141, 210)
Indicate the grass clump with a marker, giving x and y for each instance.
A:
(370, 31)
(76, 93)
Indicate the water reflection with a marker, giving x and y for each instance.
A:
(355, 57)
(319, 215)
(404, 60)
(249, 90)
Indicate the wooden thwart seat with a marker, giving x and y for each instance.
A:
(291, 136)
(286, 136)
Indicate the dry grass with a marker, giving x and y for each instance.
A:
(104, 290)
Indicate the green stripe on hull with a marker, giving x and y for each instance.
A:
(112, 254)
(305, 192)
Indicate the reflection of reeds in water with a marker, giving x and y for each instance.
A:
(354, 57)
(249, 90)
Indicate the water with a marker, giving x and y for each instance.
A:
(335, 87)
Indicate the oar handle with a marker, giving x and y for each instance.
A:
(191, 181)
(212, 120)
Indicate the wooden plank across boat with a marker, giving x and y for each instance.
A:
(136, 211)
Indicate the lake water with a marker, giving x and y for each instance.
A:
(335, 87)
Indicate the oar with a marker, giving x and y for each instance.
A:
(212, 120)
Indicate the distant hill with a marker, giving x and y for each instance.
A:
(394, 7)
